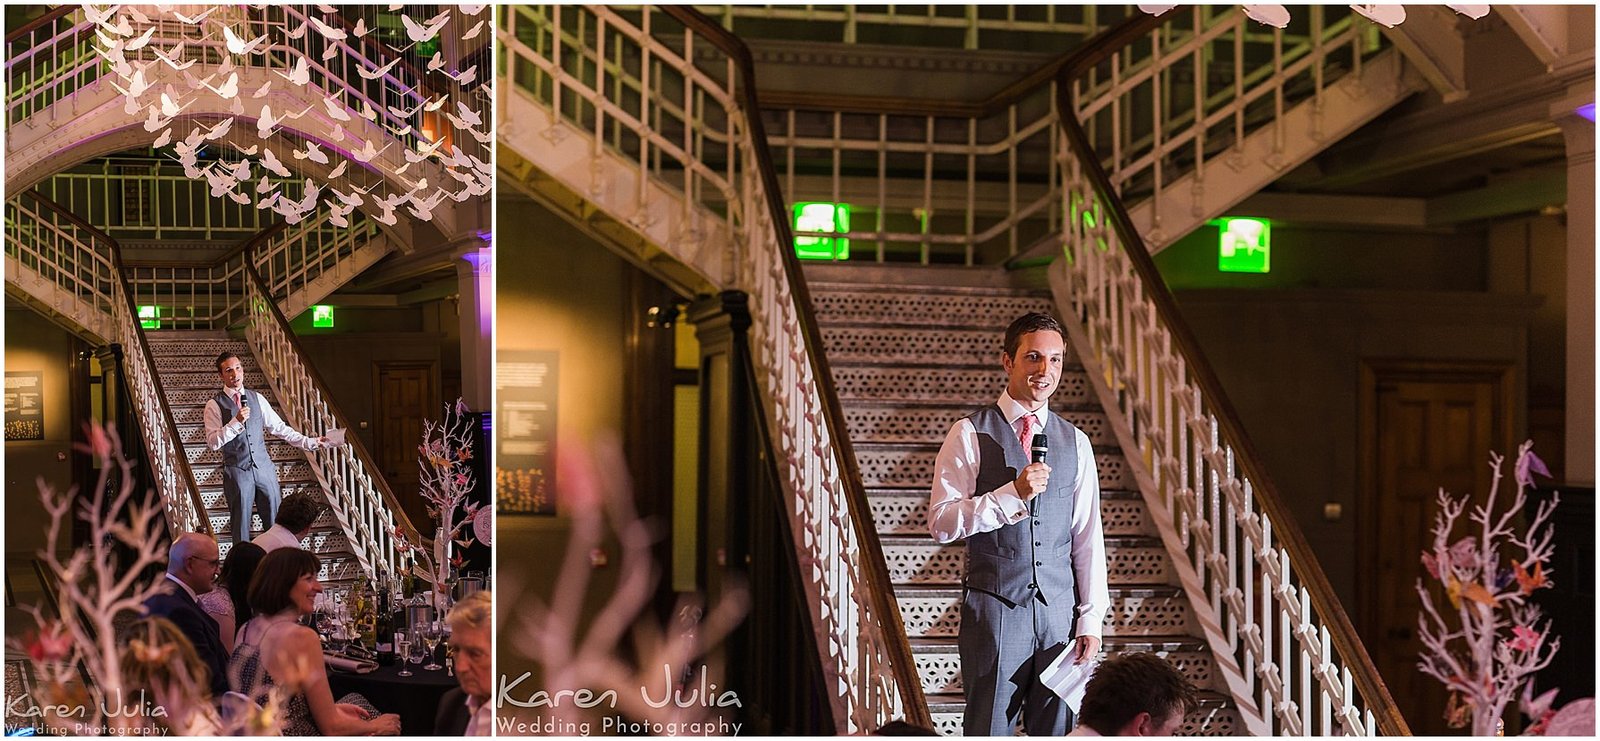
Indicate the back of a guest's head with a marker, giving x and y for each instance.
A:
(1126, 685)
(237, 570)
(903, 728)
(473, 612)
(275, 578)
(157, 657)
(299, 510)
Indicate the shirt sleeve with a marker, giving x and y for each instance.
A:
(273, 424)
(955, 510)
(218, 433)
(1089, 545)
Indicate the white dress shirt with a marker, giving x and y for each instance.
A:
(276, 537)
(184, 587)
(481, 720)
(955, 511)
(219, 433)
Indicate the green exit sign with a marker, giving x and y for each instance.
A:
(822, 217)
(321, 316)
(1246, 245)
(150, 317)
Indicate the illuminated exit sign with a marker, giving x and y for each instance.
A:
(833, 218)
(321, 316)
(150, 317)
(1246, 245)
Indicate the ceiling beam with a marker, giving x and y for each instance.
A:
(1542, 28)
(1432, 42)
(1505, 198)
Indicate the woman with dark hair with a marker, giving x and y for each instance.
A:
(274, 650)
(228, 604)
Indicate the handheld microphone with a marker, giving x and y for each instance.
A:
(1041, 447)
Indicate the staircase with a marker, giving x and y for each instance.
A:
(186, 367)
(908, 361)
(1254, 620)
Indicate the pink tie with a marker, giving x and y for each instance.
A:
(1026, 435)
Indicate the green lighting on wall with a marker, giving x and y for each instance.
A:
(426, 49)
(322, 316)
(1245, 247)
(822, 217)
(150, 317)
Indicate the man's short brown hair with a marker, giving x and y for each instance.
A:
(223, 358)
(1128, 684)
(1028, 324)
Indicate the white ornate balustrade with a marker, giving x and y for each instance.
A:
(51, 256)
(1297, 659)
(617, 111)
(361, 500)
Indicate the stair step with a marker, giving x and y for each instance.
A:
(930, 423)
(1216, 715)
(207, 380)
(1135, 612)
(202, 364)
(279, 451)
(323, 542)
(922, 561)
(964, 387)
(905, 512)
(939, 661)
(912, 467)
(913, 306)
(941, 345)
(167, 343)
(210, 477)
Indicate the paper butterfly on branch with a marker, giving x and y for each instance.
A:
(364, 124)
(1486, 644)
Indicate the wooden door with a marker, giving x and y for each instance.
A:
(406, 393)
(1426, 428)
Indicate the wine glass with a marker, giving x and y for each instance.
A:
(402, 648)
(415, 655)
(431, 636)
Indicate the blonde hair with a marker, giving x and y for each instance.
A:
(471, 613)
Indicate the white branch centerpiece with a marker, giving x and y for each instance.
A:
(1491, 641)
(99, 589)
(445, 479)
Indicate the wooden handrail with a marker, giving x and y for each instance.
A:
(144, 349)
(333, 409)
(60, 11)
(877, 570)
(1285, 526)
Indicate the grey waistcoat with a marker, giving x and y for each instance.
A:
(248, 449)
(1033, 554)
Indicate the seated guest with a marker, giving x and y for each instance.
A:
(274, 650)
(227, 604)
(192, 566)
(160, 669)
(1135, 694)
(295, 515)
(466, 711)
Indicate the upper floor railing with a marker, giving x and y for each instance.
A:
(1302, 661)
(971, 183)
(148, 199)
(79, 258)
(968, 27)
(48, 59)
(290, 259)
(671, 93)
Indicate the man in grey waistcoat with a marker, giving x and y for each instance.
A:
(249, 478)
(1036, 566)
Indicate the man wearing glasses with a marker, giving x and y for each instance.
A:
(192, 566)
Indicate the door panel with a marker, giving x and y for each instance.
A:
(407, 393)
(1427, 431)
